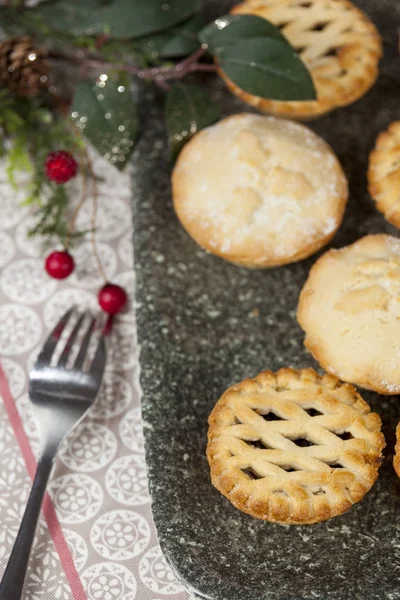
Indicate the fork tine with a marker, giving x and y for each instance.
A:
(98, 362)
(70, 342)
(50, 344)
(80, 359)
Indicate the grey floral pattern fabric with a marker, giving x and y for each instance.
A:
(96, 539)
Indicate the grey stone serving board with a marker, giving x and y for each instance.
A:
(204, 324)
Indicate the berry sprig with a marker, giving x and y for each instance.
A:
(60, 167)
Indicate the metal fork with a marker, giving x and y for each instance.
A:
(61, 395)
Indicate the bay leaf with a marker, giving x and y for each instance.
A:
(107, 116)
(127, 19)
(230, 29)
(119, 18)
(188, 109)
(181, 40)
(268, 68)
(75, 16)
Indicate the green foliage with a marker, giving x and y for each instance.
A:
(178, 41)
(268, 68)
(120, 18)
(19, 23)
(188, 109)
(73, 17)
(230, 29)
(50, 214)
(10, 23)
(32, 131)
(127, 20)
(253, 54)
(18, 158)
(107, 117)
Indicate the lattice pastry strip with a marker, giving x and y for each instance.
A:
(336, 40)
(293, 447)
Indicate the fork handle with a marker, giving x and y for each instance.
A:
(14, 576)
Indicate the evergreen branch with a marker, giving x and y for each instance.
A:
(32, 132)
(51, 215)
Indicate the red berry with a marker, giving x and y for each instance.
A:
(112, 298)
(60, 166)
(59, 264)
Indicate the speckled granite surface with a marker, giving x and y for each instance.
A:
(204, 324)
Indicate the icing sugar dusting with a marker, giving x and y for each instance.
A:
(384, 381)
(262, 180)
(393, 244)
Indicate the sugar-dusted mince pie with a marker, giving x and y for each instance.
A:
(384, 173)
(396, 459)
(293, 447)
(335, 39)
(349, 309)
(259, 191)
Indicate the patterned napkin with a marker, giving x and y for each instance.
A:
(96, 539)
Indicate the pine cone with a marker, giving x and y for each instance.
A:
(23, 67)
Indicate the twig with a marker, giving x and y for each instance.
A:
(160, 75)
(193, 58)
(162, 84)
(101, 40)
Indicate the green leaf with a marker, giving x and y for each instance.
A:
(267, 68)
(132, 20)
(255, 55)
(230, 29)
(120, 18)
(179, 41)
(75, 16)
(188, 109)
(12, 21)
(106, 115)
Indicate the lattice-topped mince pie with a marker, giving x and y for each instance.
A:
(294, 447)
(338, 43)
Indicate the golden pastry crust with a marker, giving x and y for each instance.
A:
(259, 191)
(396, 459)
(336, 40)
(349, 309)
(318, 456)
(384, 173)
